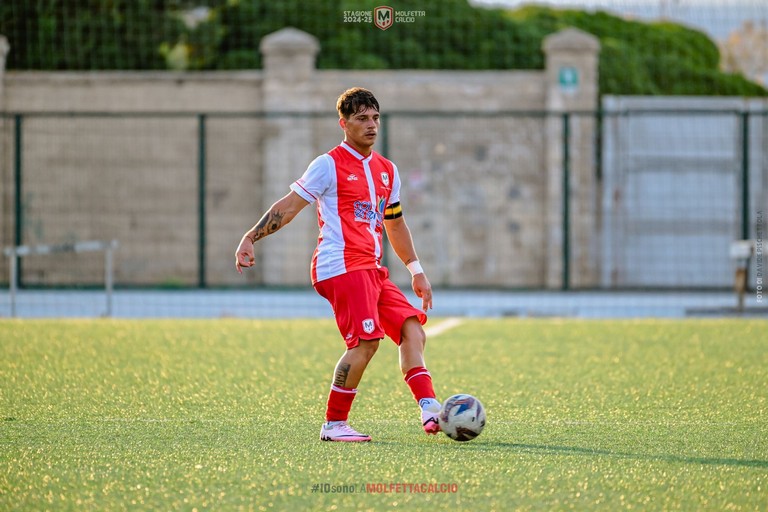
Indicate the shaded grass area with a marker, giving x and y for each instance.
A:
(225, 414)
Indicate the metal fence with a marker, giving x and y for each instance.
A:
(654, 197)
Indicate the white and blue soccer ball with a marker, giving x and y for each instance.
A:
(462, 417)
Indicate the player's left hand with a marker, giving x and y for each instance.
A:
(423, 290)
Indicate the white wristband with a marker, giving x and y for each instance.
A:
(414, 268)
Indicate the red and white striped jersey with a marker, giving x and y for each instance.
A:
(352, 192)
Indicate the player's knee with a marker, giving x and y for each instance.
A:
(421, 337)
(368, 348)
(414, 334)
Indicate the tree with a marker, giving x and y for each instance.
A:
(661, 58)
(746, 51)
(88, 34)
(635, 57)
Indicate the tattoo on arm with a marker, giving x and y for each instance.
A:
(269, 223)
(340, 377)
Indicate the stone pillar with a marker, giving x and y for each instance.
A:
(289, 67)
(6, 160)
(4, 48)
(572, 87)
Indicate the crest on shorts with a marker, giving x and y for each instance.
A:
(368, 325)
(383, 17)
(385, 179)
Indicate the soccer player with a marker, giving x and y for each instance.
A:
(357, 192)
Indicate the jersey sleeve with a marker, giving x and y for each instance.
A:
(394, 197)
(315, 180)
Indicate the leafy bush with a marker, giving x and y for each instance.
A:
(87, 35)
(635, 58)
(647, 58)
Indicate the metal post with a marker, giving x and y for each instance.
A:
(109, 275)
(385, 135)
(385, 153)
(201, 181)
(566, 202)
(13, 260)
(599, 120)
(745, 232)
(17, 194)
(745, 176)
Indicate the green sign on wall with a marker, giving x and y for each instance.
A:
(568, 78)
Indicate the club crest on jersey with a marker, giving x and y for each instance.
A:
(368, 325)
(385, 179)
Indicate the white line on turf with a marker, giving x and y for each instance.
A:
(438, 329)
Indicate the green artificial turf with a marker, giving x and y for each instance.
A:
(225, 415)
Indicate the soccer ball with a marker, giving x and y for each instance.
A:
(462, 417)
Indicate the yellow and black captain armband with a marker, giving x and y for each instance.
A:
(393, 211)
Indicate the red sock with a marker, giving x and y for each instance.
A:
(339, 403)
(420, 382)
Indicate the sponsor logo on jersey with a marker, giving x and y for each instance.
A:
(352, 177)
(364, 211)
(381, 205)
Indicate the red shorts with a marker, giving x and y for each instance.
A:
(367, 305)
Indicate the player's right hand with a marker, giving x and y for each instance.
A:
(244, 257)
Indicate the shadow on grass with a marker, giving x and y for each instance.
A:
(574, 450)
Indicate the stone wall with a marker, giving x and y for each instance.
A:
(480, 155)
(132, 178)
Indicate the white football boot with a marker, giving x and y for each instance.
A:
(430, 410)
(341, 431)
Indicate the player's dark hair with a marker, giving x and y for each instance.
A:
(354, 100)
